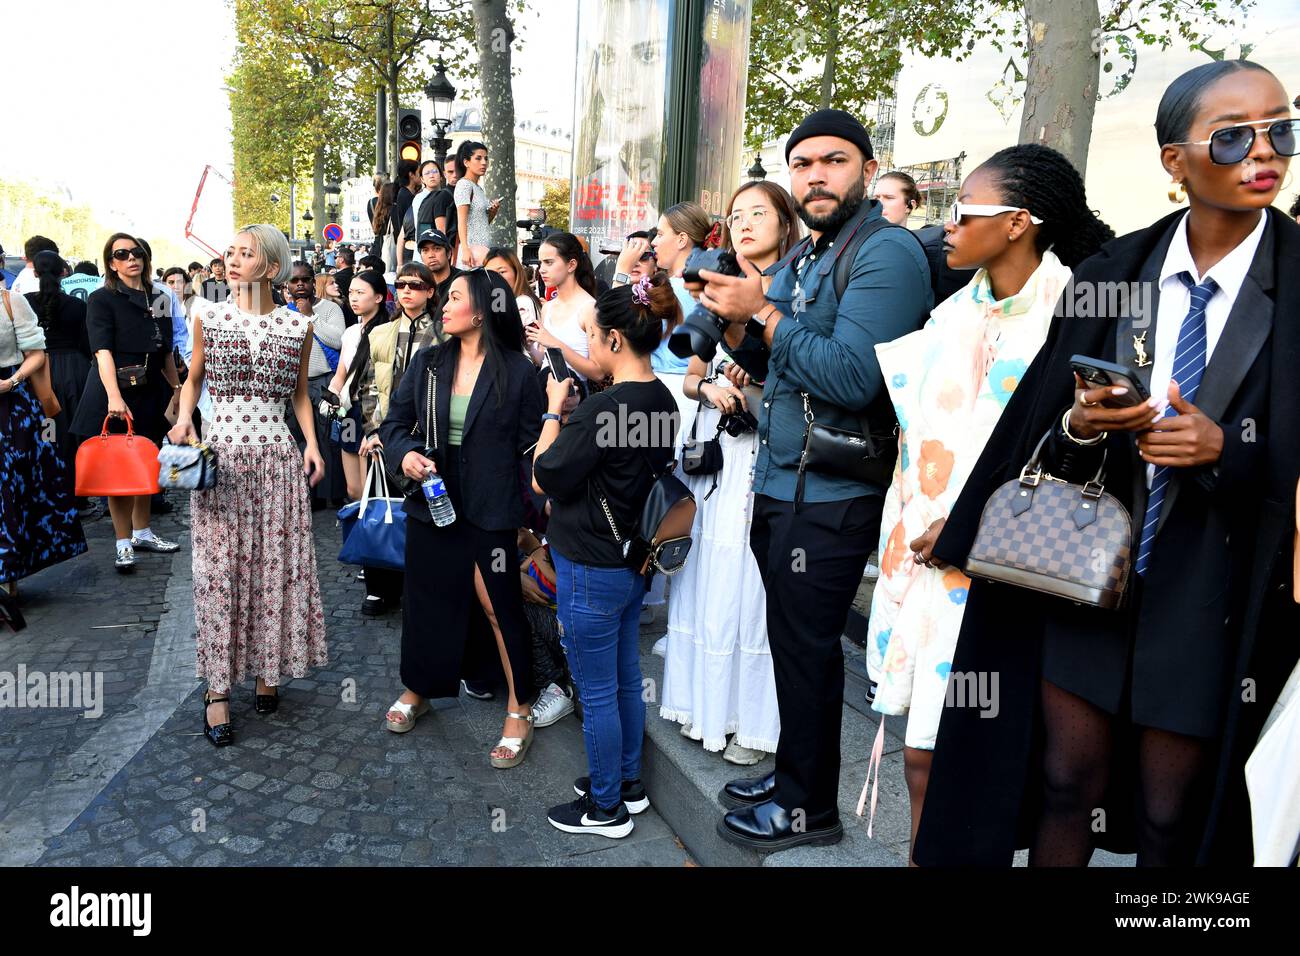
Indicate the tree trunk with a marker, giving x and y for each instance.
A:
(394, 135)
(493, 35)
(1062, 73)
(318, 192)
(832, 44)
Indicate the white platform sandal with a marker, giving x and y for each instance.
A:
(518, 746)
(410, 714)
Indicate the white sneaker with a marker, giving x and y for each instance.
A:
(741, 756)
(661, 647)
(872, 572)
(553, 704)
(647, 614)
(125, 562)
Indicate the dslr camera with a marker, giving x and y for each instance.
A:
(701, 331)
(535, 226)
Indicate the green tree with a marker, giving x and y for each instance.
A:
(300, 113)
(844, 54)
(555, 200)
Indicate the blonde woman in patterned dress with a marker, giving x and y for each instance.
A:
(256, 597)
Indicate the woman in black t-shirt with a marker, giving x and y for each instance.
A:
(63, 319)
(606, 455)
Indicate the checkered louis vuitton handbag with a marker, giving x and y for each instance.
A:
(1048, 535)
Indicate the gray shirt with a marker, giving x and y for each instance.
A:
(473, 195)
(19, 331)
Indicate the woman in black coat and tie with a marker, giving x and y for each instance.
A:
(1130, 727)
(468, 410)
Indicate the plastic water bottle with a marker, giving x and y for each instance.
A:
(439, 502)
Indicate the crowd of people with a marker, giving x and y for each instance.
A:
(513, 410)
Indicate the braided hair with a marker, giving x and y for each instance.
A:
(1040, 179)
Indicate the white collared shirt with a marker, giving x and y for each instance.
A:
(1175, 300)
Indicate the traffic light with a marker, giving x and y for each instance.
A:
(409, 126)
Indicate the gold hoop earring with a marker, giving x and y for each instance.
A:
(1177, 192)
(477, 322)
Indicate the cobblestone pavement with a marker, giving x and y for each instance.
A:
(321, 782)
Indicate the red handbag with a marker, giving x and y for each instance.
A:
(117, 465)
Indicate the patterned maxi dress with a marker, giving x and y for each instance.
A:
(949, 383)
(256, 597)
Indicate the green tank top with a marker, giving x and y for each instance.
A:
(456, 427)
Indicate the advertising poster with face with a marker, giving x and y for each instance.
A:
(622, 78)
(722, 78)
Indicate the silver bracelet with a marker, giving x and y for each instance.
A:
(1065, 427)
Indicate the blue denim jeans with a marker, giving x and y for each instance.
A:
(599, 614)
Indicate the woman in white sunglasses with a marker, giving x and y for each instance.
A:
(1022, 220)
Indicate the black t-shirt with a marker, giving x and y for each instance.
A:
(440, 288)
(66, 329)
(616, 437)
(444, 204)
(401, 205)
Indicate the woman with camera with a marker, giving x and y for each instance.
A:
(464, 415)
(598, 478)
(718, 678)
(135, 377)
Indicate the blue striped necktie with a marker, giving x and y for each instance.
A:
(1189, 368)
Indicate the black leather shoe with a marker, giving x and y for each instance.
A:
(222, 735)
(767, 827)
(265, 703)
(747, 792)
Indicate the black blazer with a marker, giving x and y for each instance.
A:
(494, 439)
(1214, 562)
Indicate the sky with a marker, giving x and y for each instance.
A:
(140, 175)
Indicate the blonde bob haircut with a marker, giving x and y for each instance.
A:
(271, 252)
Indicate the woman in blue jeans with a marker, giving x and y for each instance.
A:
(598, 471)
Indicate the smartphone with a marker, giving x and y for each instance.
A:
(1099, 374)
(555, 362)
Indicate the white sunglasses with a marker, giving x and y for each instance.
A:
(960, 209)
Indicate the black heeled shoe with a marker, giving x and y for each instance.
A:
(222, 735)
(265, 703)
(9, 612)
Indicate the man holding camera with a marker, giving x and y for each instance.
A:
(824, 401)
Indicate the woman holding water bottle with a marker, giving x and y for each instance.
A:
(463, 416)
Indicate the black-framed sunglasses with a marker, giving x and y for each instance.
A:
(121, 255)
(415, 285)
(1232, 144)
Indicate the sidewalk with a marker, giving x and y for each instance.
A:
(321, 782)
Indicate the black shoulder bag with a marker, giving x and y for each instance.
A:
(662, 538)
(703, 457)
(868, 455)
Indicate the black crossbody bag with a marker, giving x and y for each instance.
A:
(867, 455)
(661, 540)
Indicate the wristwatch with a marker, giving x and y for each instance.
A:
(622, 278)
(550, 416)
(755, 327)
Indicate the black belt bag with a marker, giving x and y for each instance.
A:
(840, 453)
(703, 457)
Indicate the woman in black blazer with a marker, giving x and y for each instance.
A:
(1128, 728)
(487, 413)
(129, 327)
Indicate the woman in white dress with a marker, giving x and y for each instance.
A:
(718, 678)
(473, 211)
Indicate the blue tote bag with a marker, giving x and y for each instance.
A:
(374, 528)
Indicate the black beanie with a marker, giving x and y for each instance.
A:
(831, 123)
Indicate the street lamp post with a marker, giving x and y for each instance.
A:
(757, 171)
(441, 94)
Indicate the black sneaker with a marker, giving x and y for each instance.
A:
(373, 606)
(583, 816)
(632, 792)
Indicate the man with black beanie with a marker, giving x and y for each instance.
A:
(814, 527)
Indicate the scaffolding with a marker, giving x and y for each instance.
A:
(939, 183)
